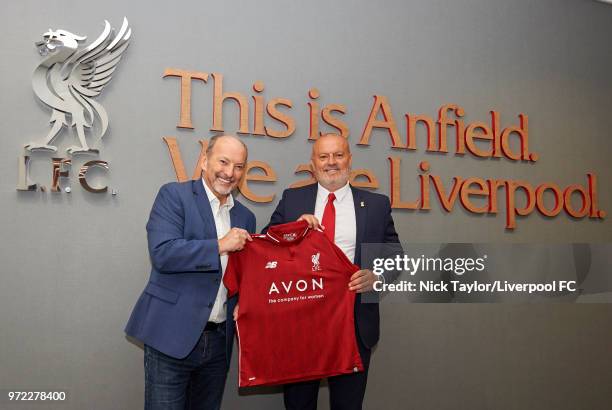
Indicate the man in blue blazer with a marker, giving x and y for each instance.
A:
(357, 217)
(183, 316)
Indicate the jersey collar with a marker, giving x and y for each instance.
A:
(288, 234)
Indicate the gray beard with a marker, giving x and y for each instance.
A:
(336, 182)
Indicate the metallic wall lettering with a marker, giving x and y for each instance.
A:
(23, 178)
(58, 172)
(83, 175)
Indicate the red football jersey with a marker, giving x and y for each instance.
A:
(296, 316)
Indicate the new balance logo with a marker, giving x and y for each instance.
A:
(271, 265)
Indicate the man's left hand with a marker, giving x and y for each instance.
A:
(362, 281)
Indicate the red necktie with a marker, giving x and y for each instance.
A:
(329, 217)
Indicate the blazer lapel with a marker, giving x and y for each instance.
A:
(361, 217)
(235, 218)
(310, 198)
(203, 205)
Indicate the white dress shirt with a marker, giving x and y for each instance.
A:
(345, 235)
(221, 213)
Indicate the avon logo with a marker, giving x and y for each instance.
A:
(301, 286)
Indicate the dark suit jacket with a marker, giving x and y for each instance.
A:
(174, 307)
(374, 225)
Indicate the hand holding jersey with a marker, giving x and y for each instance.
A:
(233, 241)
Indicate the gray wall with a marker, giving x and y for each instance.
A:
(73, 265)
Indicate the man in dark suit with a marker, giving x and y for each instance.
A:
(350, 217)
(183, 316)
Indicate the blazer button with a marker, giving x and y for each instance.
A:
(217, 280)
(210, 305)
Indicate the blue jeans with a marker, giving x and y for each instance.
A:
(195, 382)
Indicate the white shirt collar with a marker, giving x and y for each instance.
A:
(212, 198)
(340, 193)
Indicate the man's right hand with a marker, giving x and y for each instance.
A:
(233, 241)
(313, 222)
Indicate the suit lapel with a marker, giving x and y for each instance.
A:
(235, 218)
(203, 205)
(310, 199)
(361, 217)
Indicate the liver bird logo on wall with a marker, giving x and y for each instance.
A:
(68, 79)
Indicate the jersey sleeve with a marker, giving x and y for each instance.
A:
(233, 274)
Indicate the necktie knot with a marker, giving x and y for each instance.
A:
(331, 197)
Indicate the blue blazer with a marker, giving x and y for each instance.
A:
(175, 305)
(374, 225)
